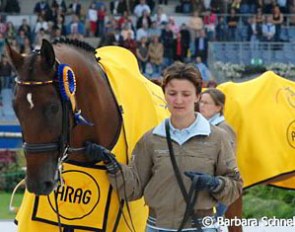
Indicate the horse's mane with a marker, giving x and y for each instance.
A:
(74, 42)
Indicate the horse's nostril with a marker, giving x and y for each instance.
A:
(48, 184)
(48, 187)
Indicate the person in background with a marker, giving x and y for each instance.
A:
(125, 18)
(60, 6)
(195, 24)
(210, 22)
(142, 54)
(10, 31)
(204, 157)
(145, 18)
(39, 38)
(142, 31)
(186, 38)
(75, 28)
(41, 6)
(185, 34)
(20, 38)
(75, 8)
(254, 30)
(179, 48)
(211, 84)
(2, 43)
(26, 48)
(3, 24)
(92, 18)
(154, 30)
(205, 72)
(173, 26)
(108, 39)
(59, 25)
(163, 2)
(156, 52)
(12, 7)
(221, 29)
(160, 17)
(232, 23)
(268, 30)
(140, 8)
(126, 29)
(260, 18)
(118, 7)
(211, 106)
(5, 73)
(201, 46)
(167, 40)
(26, 28)
(129, 43)
(41, 23)
(277, 20)
(101, 15)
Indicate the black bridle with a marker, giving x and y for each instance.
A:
(62, 144)
(63, 141)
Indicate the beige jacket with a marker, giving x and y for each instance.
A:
(150, 174)
(230, 132)
(156, 52)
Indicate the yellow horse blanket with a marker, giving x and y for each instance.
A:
(87, 202)
(262, 112)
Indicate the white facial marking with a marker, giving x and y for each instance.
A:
(30, 100)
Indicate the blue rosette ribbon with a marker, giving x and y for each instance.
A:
(67, 87)
(67, 84)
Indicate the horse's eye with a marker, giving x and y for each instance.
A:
(52, 109)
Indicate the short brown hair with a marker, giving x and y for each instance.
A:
(217, 96)
(181, 71)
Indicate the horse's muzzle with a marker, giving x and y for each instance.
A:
(40, 188)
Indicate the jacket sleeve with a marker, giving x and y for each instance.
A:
(131, 180)
(227, 171)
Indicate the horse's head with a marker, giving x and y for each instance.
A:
(46, 104)
(38, 107)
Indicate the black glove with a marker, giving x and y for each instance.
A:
(205, 181)
(97, 153)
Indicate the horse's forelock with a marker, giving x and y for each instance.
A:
(32, 61)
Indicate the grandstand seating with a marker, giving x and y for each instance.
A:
(240, 52)
(243, 52)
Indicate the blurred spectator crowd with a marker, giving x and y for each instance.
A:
(143, 27)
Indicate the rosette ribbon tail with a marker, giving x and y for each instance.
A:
(79, 119)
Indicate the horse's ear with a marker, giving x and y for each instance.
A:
(15, 58)
(47, 53)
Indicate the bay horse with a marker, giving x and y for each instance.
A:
(63, 98)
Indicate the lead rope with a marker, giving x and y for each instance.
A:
(58, 178)
(132, 227)
(57, 212)
(64, 146)
(12, 208)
